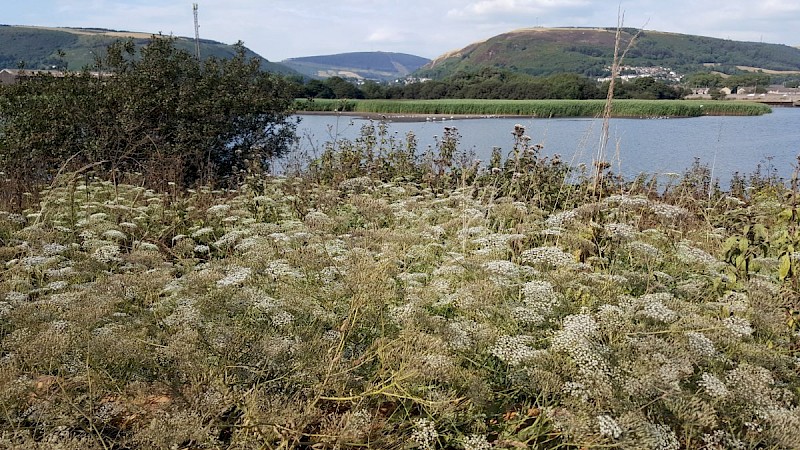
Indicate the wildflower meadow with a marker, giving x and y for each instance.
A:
(383, 296)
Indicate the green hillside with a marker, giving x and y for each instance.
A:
(367, 65)
(589, 51)
(38, 47)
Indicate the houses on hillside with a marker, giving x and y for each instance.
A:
(12, 76)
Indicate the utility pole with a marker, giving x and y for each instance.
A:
(196, 32)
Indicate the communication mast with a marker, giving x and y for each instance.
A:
(196, 32)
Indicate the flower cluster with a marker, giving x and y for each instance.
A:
(550, 256)
(513, 350)
(236, 275)
(424, 434)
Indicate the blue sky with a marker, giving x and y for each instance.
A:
(279, 29)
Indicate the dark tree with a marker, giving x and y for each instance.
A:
(155, 110)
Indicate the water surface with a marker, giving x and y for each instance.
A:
(654, 146)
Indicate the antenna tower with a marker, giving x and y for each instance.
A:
(196, 32)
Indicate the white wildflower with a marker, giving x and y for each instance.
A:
(281, 319)
(282, 269)
(620, 231)
(15, 297)
(476, 442)
(513, 349)
(496, 242)
(236, 275)
(203, 232)
(577, 339)
(317, 220)
(663, 437)
(59, 326)
(576, 389)
(738, 326)
(34, 261)
(736, 302)
(688, 254)
(643, 250)
(559, 219)
(526, 316)
(552, 256)
(54, 249)
(700, 345)
(507, 269)
(539, 296)
(148, 247)
(469, 232)
(752, 384)
(719, 439)
(653, 308)
(424, 434)
(712, 385)
(106, 253)
(61, 272)
(57, 285)
(18, 219)
(115, 235)
(629, 202)
(331, 335)
(201, 248)
(669, 212)
(218, 210)
(609, 427)
(230, 238)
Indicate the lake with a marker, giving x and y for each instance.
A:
(655, 146)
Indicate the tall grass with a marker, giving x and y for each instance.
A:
(386, 299)
(538, 108)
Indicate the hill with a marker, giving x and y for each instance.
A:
(589, 51)
(360, 65)
(38, 47)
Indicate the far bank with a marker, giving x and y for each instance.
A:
(467, 108)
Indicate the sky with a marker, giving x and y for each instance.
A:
(280, 29)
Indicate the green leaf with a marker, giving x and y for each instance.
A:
(741, 262)
(743, 244)
(785, 266)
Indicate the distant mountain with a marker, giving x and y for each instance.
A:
(589, 51)
(359, 65)
(38, 47)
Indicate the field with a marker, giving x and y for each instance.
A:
(380, 299)
(537, 108)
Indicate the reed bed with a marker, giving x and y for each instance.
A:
(537, 108)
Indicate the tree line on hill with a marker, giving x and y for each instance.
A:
(493, 83)
(490, 83)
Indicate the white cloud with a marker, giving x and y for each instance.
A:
(387, 35)
(511, 8)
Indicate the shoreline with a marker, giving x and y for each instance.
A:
(442, 110)
(399, 117)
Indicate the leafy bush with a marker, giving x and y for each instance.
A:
(159, 112)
